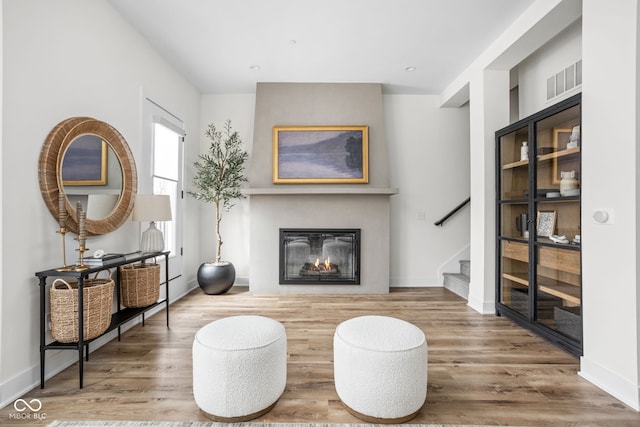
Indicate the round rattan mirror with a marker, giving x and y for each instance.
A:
(50, 165)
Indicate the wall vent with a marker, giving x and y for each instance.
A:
(564, 81)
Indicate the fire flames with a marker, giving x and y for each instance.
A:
(324, 267)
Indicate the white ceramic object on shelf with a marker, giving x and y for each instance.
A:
(568, 184)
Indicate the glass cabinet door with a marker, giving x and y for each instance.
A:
(514, 165)
(557, 225)
(514, 225)
(538, 185)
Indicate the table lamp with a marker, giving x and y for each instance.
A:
(152, 208)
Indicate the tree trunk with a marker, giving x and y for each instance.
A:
(218, 237)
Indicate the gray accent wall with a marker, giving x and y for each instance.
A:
(318, 104)
(275, 206)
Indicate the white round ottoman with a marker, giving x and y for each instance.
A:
(380, 368)
(239, 367)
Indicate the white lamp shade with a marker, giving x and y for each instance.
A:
(152, 207)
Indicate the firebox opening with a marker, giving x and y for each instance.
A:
(320, 256)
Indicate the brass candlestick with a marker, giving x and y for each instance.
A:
(81, 250)
(64, 267)
(82, 237)
(62, 220)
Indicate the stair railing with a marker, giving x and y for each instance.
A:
(452, 212)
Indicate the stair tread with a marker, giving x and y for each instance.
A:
(458, 276)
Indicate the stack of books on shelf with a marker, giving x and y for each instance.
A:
(92, 261)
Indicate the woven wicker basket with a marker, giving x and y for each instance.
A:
(139, 284)
(97, 297)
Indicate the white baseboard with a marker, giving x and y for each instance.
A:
(612, 383)
(482, 307)
(240, 280)
(414, 282)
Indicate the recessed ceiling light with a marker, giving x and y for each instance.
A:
(409, 69)
(292, 42)
(255, 67)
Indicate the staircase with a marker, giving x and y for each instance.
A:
(458, 283)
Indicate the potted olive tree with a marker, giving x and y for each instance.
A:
(220, 173)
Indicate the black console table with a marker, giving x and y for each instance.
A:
(121, 316)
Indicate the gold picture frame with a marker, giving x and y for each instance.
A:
(320, 154)
(546, 223)
(560, 139)
(85, 161)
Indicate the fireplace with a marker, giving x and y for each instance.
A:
(319, 256)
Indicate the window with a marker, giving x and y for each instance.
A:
(167, 155)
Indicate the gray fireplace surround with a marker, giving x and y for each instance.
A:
(298, 206)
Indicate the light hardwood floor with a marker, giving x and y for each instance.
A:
(483, 369)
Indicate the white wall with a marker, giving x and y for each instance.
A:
(1, 179)
(429, 163)
(564, 50)
(489, 111)
(611, 320)
(62, 59)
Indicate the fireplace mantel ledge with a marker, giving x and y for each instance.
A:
(295, 191)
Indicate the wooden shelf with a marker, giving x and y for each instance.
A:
(515, 164)
(548, 242)
(562, 290)
(558, 154)
(517, 277)
(118, 319)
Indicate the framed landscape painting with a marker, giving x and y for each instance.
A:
(320, 154)
(85, 162)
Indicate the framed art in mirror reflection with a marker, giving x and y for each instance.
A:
(85, 162)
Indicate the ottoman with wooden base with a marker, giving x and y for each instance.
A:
(380, 368)
(239, 367)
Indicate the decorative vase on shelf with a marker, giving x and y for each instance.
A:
(568, 184)
(524, 151)
(574, 138)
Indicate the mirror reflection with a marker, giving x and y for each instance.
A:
(88, 161)
(92, 175)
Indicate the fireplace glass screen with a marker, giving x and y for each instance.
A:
(320, 256)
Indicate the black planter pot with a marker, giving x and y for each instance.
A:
(216, 278)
